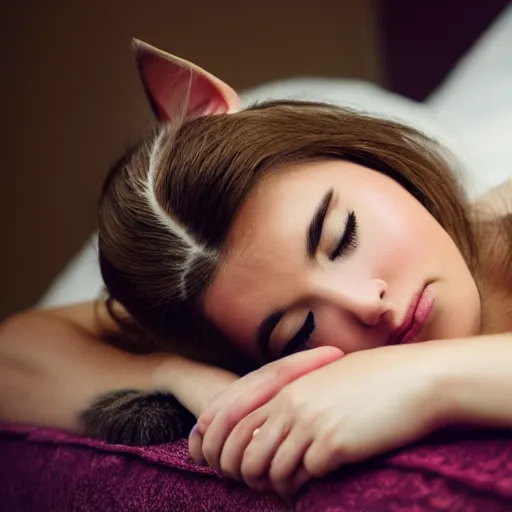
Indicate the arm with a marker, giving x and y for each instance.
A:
(53, 365)
(475, 378)
(362, 405)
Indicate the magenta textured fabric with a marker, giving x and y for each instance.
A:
(49, 471)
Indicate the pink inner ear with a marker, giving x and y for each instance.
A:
(167, 83)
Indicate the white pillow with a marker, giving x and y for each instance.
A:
(475, 104)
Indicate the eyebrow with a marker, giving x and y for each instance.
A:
(314, 233)
(317, 223)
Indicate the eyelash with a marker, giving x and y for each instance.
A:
(348, 240)
(301, 340)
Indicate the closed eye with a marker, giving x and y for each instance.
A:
(301, 340)
(348, 238)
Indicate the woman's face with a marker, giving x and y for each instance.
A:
(332, 253)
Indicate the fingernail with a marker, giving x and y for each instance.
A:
(193, 430)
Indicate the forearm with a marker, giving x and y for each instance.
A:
(194, 384)
(475, 380)
(52, 369)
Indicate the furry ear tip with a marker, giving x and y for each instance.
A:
(138, 46)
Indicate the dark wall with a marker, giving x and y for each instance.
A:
(420, 41)
(71, 100)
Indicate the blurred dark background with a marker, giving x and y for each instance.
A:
(71, 100)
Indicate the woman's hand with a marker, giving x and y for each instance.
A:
(362, 405)
(247, 394)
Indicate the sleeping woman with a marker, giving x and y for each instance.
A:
(309, 282)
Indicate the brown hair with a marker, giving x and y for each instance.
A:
(167, 206)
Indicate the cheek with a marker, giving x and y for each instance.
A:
(393, 222)
(397, 239)
(385, 249)
(336, 329)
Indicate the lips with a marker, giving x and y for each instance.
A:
(417, 315)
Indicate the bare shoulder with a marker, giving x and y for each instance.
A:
(91, 317)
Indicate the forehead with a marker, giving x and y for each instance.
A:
(285, 200)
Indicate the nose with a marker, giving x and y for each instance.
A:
(364, 300)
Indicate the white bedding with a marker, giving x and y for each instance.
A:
(471, 113)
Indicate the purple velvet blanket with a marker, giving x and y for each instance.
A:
(49, 471)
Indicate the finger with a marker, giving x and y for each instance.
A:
(237, 442)
(261, 450)
(195, 445)
(323, 457)
(259, 393)
(288, 461)
(301, 478)
(262, 384)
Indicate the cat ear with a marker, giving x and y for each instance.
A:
(178, 89)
